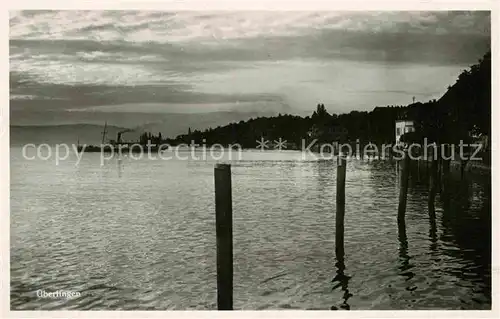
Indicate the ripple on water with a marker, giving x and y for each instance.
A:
(144, 237)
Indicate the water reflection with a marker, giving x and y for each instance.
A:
(325, 174)
(433, 233)
(404, 257)
(466, 222)
(432, 207)
(342, 280)
(119, 165)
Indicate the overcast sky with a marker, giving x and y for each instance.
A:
(195, 62)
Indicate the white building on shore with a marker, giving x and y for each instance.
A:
(402, 127)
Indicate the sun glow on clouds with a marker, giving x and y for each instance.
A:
(335, 83)
(347, 60)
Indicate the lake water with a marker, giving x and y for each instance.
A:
(140, 234)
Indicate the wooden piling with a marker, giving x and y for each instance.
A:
(340, 201)
(224, 236)
(463, 164)
(403, 186)
(445, 169)
(418, 169)
(438, 177)
(432, 187)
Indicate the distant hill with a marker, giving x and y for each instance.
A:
(89, 125)
(56, 134)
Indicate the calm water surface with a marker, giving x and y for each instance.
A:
(141, 235)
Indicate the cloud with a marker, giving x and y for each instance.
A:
(167, 27)
(170, 97)
(77, 59)
(91, 62)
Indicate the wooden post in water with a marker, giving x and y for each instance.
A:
(340, 201)
(432, 187)
(224, 236)
(437, 156)
(427, 159)
(403, 186)
(445, 168)
(418, 168)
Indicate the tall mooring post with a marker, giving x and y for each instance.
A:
(340, 205)
(445, 169)
(224, 236)
(433, 187)
(403, 186)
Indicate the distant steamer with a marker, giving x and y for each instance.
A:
(118, 146)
